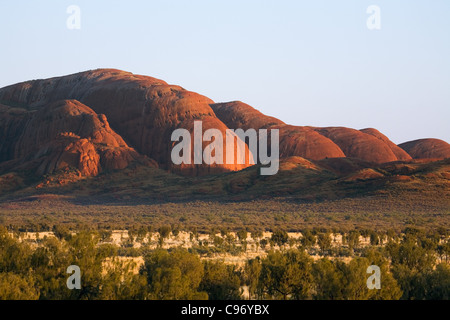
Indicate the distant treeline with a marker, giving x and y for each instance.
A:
(409, 264)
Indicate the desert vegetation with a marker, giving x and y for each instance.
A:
(379, 213)
(169, 262)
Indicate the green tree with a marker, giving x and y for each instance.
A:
(121, 283)
(164, 233)
(218, 242)
(84, 252)
(62, 232)
(49, 263)
(256, 235)
(279, 237)
(174, 275)
(286, 275)
(374, 238)
(355, 279)
(252, 272)
(328, 280)
(437, 283)
(220, 281)
(242, 235)
(352, 240)
(324, 242)
(308, 239)
(263, 243)
(16, 287)
(409, 264)
(15, 256)
(390, 289)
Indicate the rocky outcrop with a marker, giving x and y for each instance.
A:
(294, 140)
(143, 110)
(105, 119)
(401, 154)
(357, 144)
(65, 134)
(68, 151)
(238, 115)
(427, 149)
(314, 143)
(12, 122)
(307, 143)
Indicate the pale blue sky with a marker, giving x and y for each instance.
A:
(305, 62)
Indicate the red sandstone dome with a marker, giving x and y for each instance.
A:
(314, 143)
(144, 111)
(64, 134)
(399, 152)
(427, 149)
(105, 119)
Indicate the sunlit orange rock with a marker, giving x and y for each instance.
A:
(427, 149)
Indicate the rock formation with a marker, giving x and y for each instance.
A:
(143, 110)
(106, 119)
(427, 149)
(314, 143)
(65, 134)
